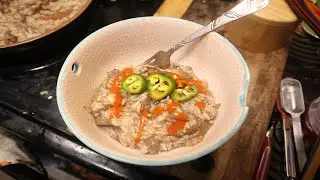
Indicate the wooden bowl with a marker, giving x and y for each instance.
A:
(129, 42)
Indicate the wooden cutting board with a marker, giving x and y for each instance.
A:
(264, 31)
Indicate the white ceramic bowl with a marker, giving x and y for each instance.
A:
(129, 42)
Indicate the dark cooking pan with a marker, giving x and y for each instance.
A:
(53, 43)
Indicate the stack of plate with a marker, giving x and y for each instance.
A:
(304, 50)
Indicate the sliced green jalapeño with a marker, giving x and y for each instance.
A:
(185, 94)
(134, 84)
(160, 85)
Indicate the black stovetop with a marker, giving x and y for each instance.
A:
(29, 109)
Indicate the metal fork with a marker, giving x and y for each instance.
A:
(162, 58)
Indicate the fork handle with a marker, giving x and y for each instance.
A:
(244, 8)
(298, 140)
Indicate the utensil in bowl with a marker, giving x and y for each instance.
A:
(244, 8)
(292, 101)
(126, 43)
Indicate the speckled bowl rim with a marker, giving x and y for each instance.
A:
(188, 157)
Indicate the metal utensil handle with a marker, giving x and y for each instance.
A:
(244, 8)
(298, 139)
(289, 153)
(289, 150)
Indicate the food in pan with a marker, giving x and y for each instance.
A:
(21, 20)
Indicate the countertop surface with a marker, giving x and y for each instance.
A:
(238, 158)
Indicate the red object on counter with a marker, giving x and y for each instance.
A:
(308, 12)
(313, 8)
(261, 173)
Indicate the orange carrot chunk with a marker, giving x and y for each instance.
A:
(143, 120)
(182, 117)
(177, 126)
(157, 110)
(126, 72)
(172, 106)
(174, 75)
(201, 105)
(116, 108)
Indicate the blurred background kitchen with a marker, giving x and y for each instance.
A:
(280, 41)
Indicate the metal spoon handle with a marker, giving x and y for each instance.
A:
(298, 140)
(244, 8)
(289, 153)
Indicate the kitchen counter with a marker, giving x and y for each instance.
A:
(237, 158)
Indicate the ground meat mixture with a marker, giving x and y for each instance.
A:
(25, 19)
(153, 126)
